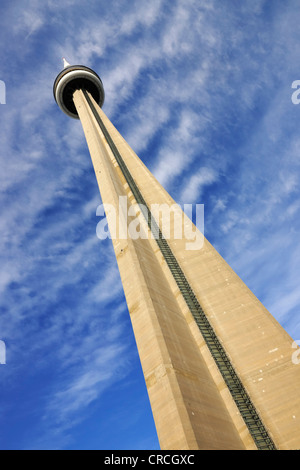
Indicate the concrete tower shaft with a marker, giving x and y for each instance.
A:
(217, 365)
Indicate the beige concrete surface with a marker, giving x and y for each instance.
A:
(191, 405)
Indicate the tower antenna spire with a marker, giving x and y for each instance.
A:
(66, 63)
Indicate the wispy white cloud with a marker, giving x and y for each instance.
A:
(80, 389)
(192, 190)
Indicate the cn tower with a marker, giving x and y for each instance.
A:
(217, 366)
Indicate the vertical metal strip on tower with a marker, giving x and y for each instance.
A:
(246, 408)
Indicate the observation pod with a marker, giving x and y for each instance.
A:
(72, 78)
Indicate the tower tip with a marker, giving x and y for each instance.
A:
(66, 63)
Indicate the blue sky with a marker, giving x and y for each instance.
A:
(202, 92)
